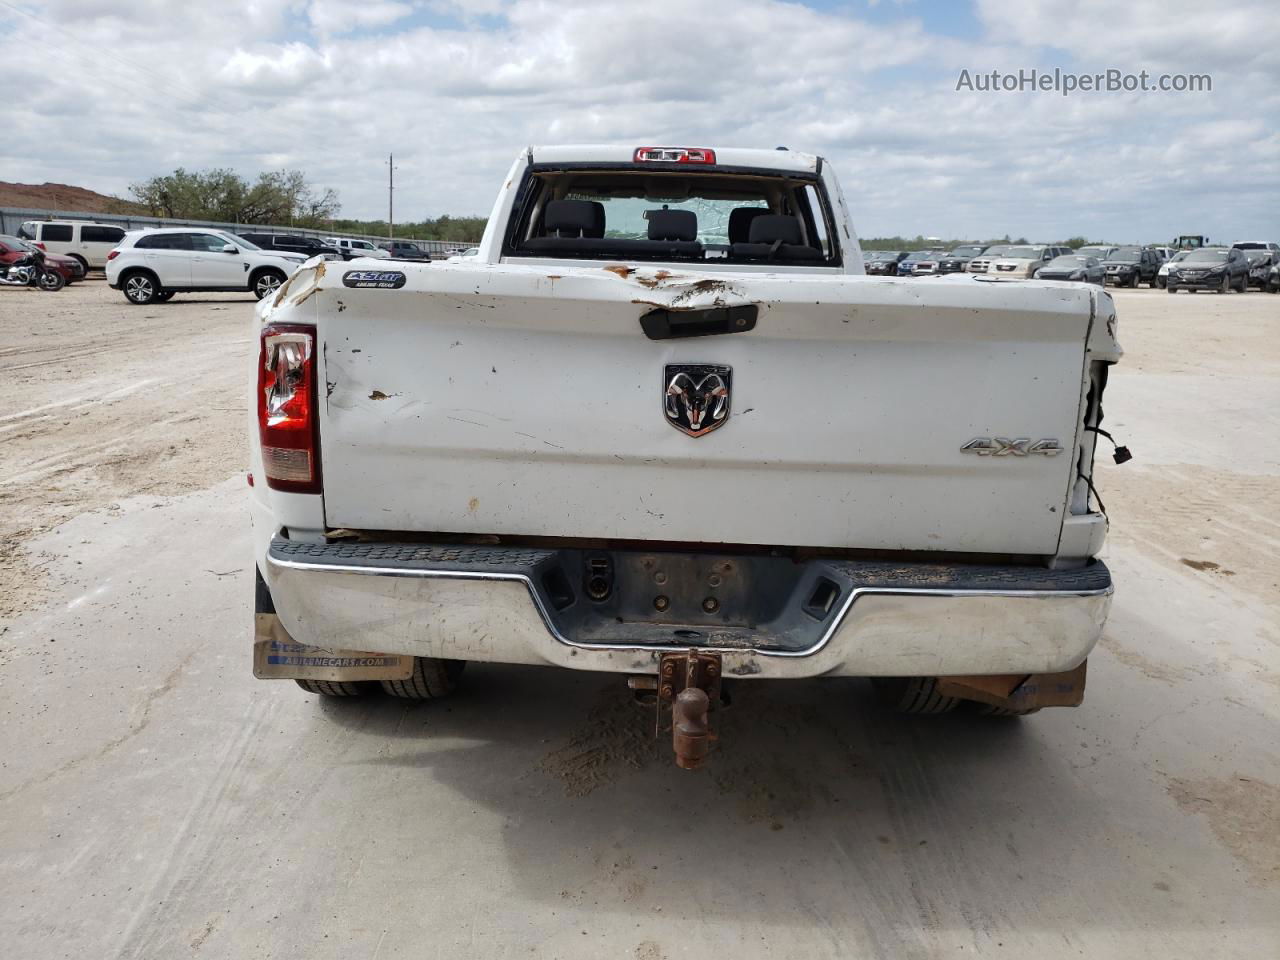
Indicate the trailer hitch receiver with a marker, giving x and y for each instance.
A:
(690, 683)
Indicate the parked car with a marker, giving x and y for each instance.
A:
(291, 243)
(1166, 253)
(84, 240)
(350, 249)
(1162, 277)
(982, 262)
(1129, 266)
(1260, 263)
(955, 261)
(968, 569)
(920, 263)
(150, 266)
(1273, 279)
(405, 250)
(1073, 266)
(886, 263)
(1211, 268)
(15, 248)
(1024, 262)
(1256, 245)
(1099, 250)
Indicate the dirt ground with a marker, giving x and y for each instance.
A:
(156, 801)
(101, 400)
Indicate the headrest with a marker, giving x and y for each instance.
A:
(774, 227)
(673, 225)
(573, 218)
(740, 222)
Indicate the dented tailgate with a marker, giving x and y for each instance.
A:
(525, 400)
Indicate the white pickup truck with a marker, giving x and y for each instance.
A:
(662, 425)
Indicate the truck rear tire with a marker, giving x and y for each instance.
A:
(914, 695)
(333, 688)
(432, 679)
(987, 710)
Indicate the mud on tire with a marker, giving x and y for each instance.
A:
(987, 710)
(333, 688)
(914, 695)
(431, 679)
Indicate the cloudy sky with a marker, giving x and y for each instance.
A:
(455, 89)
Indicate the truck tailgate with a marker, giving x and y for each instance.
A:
(526, 400)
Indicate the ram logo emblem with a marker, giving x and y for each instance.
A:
(695, 396)
(1018, 447)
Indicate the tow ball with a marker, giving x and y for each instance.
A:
(688, 686)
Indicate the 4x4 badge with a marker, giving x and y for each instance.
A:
(1018, 447)
(695, 396)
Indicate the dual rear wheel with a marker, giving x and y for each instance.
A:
(919, 696)
(431, 679)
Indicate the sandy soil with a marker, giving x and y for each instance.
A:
(100, 400)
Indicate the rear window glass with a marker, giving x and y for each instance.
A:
(627, 213)
(89, 234)
(56, 232)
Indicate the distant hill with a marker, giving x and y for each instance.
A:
(61, 196)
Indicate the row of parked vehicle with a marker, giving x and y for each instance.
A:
(153, 265)
(1247, 263)
(89, 243)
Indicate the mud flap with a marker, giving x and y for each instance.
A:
(277, 657)
(1019, 691)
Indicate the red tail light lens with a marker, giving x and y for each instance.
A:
(113, 254)
(41, 246)
(674, 155)
(287, 421)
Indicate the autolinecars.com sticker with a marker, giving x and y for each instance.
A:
(380, 279)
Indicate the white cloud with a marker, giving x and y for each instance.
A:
(455, 89)
(334, 17)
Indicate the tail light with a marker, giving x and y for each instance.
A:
(288, 425)
(113, 254)
(674, 155)
(42, 246)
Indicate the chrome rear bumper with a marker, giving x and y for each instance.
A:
(498, 604)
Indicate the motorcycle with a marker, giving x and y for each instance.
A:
(31, 271)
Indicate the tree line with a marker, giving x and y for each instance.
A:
(280, 198)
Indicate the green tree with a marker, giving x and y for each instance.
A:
(279, 198)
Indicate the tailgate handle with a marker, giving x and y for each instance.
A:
(677, 324)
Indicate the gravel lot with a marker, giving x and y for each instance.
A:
(157, 801)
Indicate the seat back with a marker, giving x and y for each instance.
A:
(573, 218)
(740, 220)
(776, 237)
(672, 225)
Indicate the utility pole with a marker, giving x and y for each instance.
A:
(391, 190)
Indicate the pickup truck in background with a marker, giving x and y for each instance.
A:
(662, 425)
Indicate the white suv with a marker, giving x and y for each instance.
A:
(351, 249)
(150, 266)
(84, 240)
